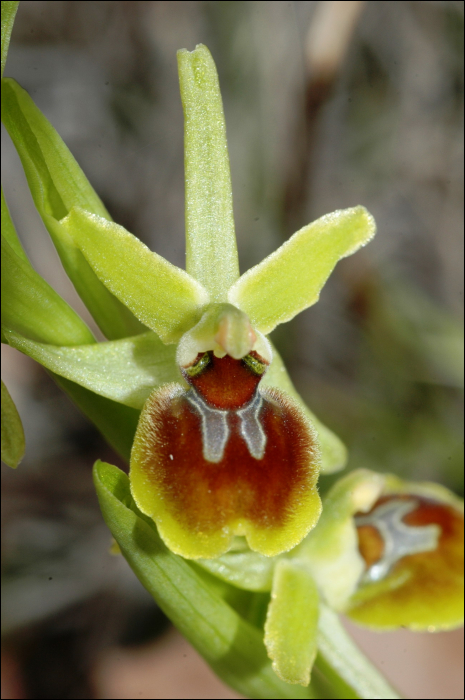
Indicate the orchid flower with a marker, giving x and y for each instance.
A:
(221, 510)
(218, 452)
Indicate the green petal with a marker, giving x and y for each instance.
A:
(161, 295)
(412, 546)
(13, 444)
(232, 647)
(57, 183)
(333, 451)
(290, 279)
(331, 550)
(125, 371)
(31, 307)
(211, 254)
(344, 665)
(8, 17)
(292, 622)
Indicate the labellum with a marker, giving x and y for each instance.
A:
(412, 546)
(225, 457)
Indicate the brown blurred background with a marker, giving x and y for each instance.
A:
(328, 105)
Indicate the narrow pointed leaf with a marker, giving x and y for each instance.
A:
(57, 183)
(292, 622)
(211, 254)
(125, 371)
(161, 295)
(232, 647)
(8, 17)
(31, 307)
(13, 444)
(290, 279)
(333, 451)
(341, 661)
(9, 231)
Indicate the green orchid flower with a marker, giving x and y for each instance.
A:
(194, 489)
(224, 454)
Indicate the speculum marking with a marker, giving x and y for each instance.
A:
(251, 428)
(215, 427)
(400, 539)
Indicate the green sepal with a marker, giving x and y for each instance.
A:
(333, 451)
(290, 279)
(233, 647)
(292, 621)
(331, 549)
(57, 183)
(13, 443)
(161, 295)
(125, 371)
(8, 17)
(211, 253)
(32, 308)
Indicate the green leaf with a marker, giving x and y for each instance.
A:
(8, 17)
(9, 231)
(32, 308)
(116, 422)
(57, 183)
(211, 254)
(292, 622)
(13, 444)
(344, 664)
(125, 371)
(161, 295)
(233, 647)
(333, 451)
(290, 279)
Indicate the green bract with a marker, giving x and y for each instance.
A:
(57, 184)
(386, 553)
(12, 431)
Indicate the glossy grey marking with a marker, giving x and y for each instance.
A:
(400, 539)
(251, 428)
(215, 428)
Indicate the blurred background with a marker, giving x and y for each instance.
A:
(328, 105)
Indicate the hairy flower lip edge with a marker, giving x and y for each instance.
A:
(280, 539)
